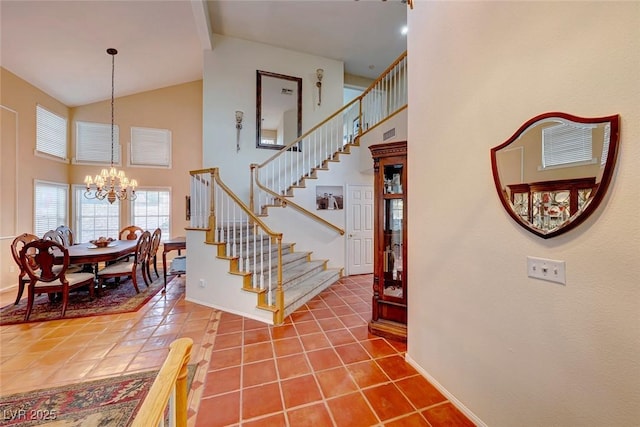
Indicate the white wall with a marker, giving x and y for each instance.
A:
(229, 84)
(517, 351)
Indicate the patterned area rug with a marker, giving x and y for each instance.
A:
(108, 402)
(119, 299)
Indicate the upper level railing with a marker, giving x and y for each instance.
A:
(255, 250)
(169, 389)
(274, 180)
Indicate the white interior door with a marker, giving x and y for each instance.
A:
(359, 229)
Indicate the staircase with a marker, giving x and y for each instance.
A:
(246, 249)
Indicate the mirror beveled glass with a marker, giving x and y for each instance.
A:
(555, 169)
(278, 109)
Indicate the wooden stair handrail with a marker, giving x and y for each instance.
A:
(173, 373)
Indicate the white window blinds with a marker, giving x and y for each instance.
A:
(50, 206)
(152, 209)
(564, 144)
(150, 147)
(93, 143)
(51, 133)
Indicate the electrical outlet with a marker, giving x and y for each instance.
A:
(546, 269)
(201, 283)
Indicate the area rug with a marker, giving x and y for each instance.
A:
(114, 300)
(108, 402)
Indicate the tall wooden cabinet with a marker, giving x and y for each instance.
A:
(389, 305)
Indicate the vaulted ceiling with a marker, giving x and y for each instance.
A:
(60, 46)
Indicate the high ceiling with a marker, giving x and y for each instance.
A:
(60, 46)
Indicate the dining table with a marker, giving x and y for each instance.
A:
(90, 254)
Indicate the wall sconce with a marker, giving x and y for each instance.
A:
(239, 115)
(319, 74)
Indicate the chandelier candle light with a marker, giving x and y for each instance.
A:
(111, 184)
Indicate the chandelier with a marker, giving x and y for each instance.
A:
(111, 184)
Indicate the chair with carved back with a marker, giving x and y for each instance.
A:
(67, 235)
(130, 232)
(40, 260)
(153, 252)
(16, 246)
(127, 268)
(55, 236)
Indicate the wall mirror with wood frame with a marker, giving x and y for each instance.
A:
(278, 109)
(555, 169)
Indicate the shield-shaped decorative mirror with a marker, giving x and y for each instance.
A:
(555, 169)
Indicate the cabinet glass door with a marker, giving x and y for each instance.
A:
(393, 285)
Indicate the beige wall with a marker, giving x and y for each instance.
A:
(513, 350)
(177, 108)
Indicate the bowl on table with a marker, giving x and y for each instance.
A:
(101, 243)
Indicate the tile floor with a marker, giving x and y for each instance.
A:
(321, 368)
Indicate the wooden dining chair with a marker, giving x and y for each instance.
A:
(129, 268)
(153, 252)
(16, 247)
(55, 236)
(67, 235)
(39, 260)
(130, 232)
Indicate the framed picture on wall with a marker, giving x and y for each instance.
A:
(188, 207)
(329, 197)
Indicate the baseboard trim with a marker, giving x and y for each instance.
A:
(473, 417)
(268, 321)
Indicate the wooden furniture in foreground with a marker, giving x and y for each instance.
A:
(168, 389)
(131, 232)
(16, 247)
(130, 268)
(38, 259)
(175, 244)
(153, 252)
(389, 304)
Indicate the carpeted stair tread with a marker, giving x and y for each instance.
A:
(304, 291)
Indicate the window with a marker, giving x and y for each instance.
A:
(93, 143)
(566, 144)
(51, 133)
(150, 147)
(49, 206)
(95, 218)
(151, 209)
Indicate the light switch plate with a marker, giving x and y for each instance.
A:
(546, 269)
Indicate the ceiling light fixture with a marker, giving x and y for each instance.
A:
(111, 184)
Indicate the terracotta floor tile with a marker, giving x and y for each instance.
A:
(413, 420)
(335, 382)
(284, 331)
(378, 347)
(256, 336)
(211, 414)
(307, 327)
(396, 367)
(325, 358)
(228, 341)
(230, 326)
(277, 420)
(259, 373)
(446, 415)
(330, 324)
(287, 346)
(300, 390)
(340, 337)
(387, 401)
(332, 362)
(352, 353)
(222, 381)
(352, 410)
(314, 341)
(310, 416)
(261, 400)
(225, 358)
(292, 366)
(255, 352)
(420, 391)
(367, 373)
